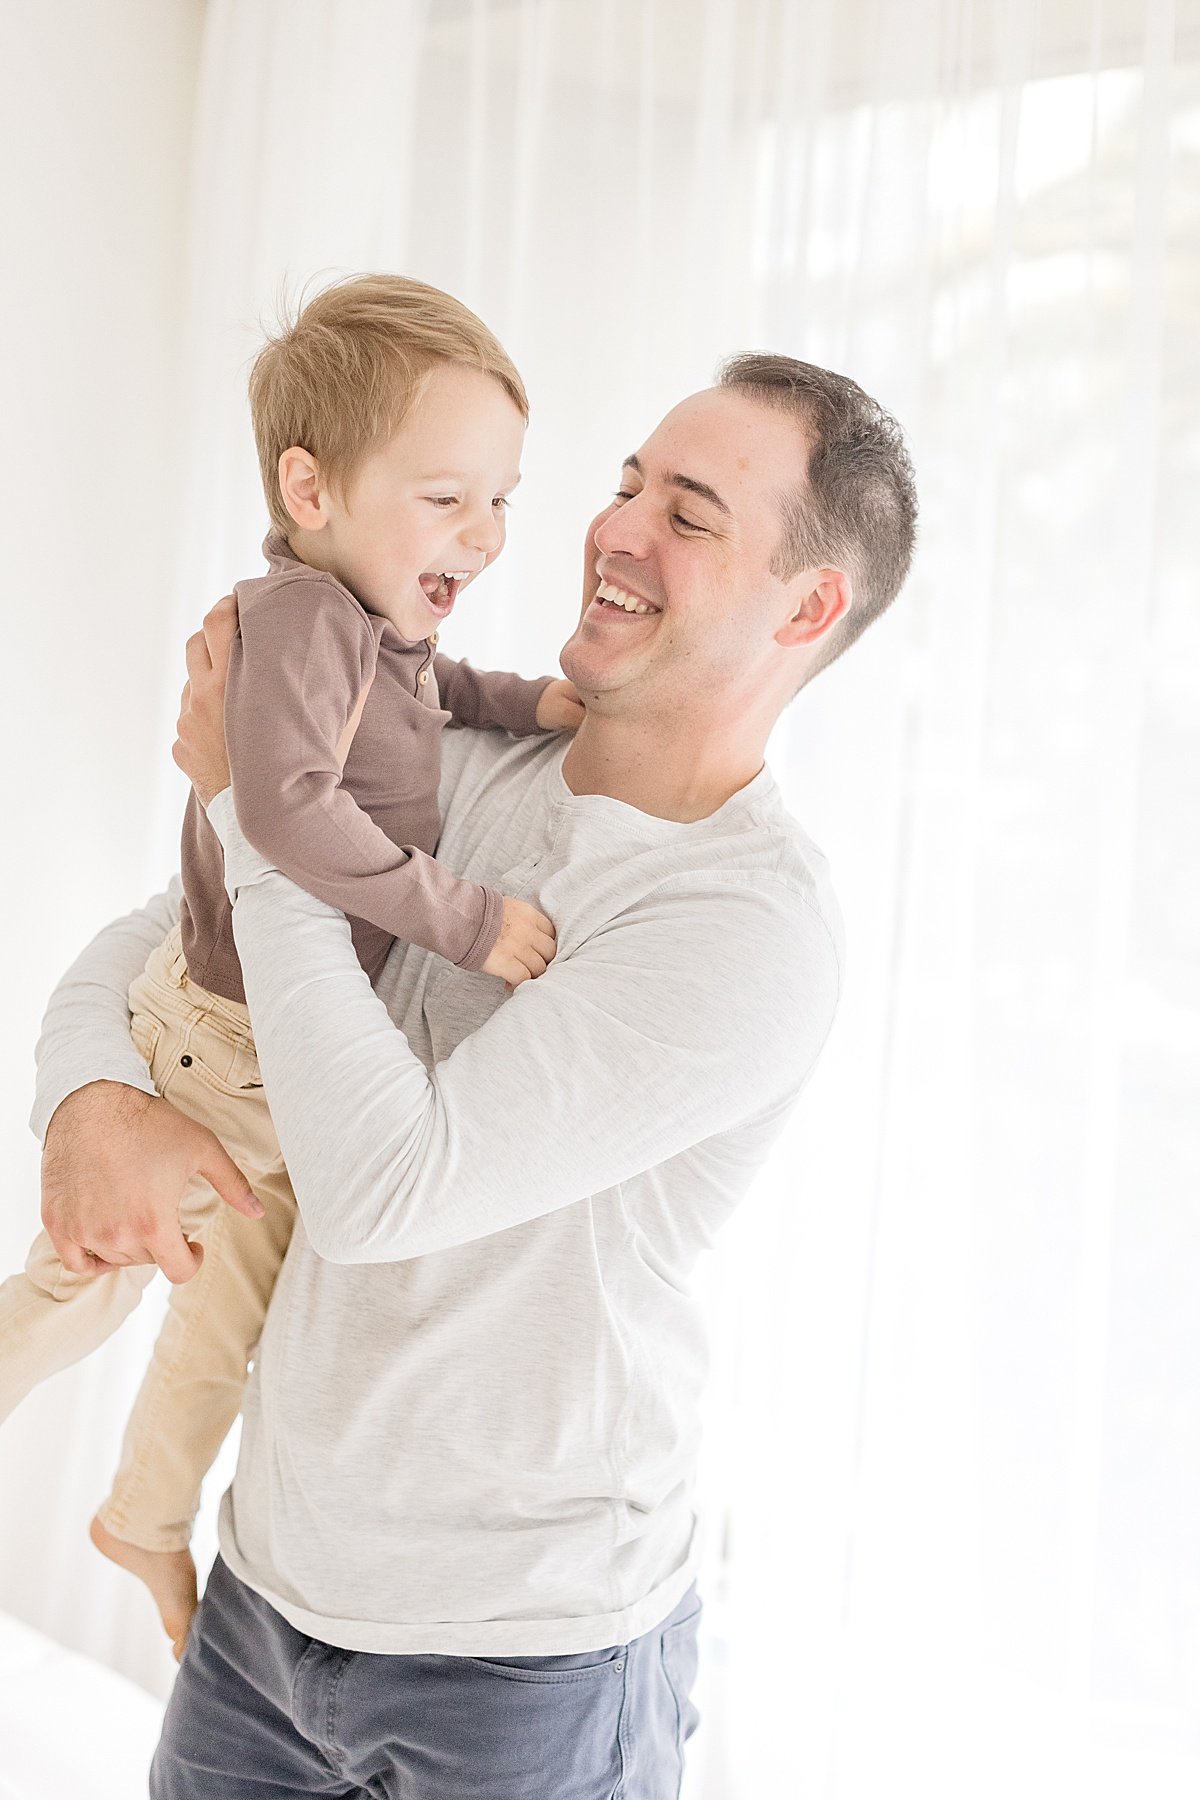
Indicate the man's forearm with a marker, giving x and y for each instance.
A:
(85, 1032)
(389, 1161)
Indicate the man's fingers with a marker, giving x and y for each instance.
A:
(198, 659)
(78, 1260)
(176, 1257)
(546, 947)
(220, 629)
(219, 1169)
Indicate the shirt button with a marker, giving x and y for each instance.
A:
(423, 677)
(432, 640)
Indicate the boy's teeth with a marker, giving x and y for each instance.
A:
(618, 597)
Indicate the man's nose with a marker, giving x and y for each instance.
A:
(625, 531)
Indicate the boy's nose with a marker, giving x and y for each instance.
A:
(486, 532)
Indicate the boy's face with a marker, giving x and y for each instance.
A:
(425, 514)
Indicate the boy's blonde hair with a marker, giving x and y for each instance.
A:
(340, 378)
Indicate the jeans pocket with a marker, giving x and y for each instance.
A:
(222, 1065)
(145, 1030)
(680, 1660)
(551, 1669)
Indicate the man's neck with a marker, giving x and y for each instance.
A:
(670, 775)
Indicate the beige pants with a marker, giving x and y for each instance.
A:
(201, 1056)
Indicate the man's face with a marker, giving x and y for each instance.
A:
(688, 543)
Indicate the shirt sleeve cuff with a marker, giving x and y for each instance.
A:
(70, 1072)
(243, 864)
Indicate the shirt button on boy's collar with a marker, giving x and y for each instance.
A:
(423, 677)
(431, 641)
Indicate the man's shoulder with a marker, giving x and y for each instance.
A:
(755, 851)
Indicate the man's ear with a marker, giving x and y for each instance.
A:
(301, 489)
(819, 598)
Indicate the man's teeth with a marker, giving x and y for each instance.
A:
(618, 597)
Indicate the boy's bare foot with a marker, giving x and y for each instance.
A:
(169, 1574)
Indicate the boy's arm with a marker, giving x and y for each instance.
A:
(665, 1029)
(486, 700)
(299, 667)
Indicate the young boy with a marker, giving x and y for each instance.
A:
(389, 424)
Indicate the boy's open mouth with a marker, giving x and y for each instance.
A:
(441, 590)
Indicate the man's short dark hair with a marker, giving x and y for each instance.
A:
(857, 509)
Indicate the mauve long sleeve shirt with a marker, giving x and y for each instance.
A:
(360, 838)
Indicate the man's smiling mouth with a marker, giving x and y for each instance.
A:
(618, 599)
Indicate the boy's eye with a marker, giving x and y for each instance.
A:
(443, 499)
(502, 501)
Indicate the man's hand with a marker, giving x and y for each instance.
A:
(199, 747)
(559, 707)
(525, 946)
(114, 1169)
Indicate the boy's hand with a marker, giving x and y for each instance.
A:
(525, 946)
(560, 708)
(116, 1165)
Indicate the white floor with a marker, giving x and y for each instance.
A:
(69, 1729)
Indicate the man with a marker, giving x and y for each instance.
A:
(458, 1553)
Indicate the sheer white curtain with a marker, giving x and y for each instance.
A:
(953, 1471)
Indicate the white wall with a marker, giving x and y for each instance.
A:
(96, 111)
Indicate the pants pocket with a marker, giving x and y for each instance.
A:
(680, 1660)
(146, 1032)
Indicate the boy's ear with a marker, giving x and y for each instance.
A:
(301, 490)
(820, 598)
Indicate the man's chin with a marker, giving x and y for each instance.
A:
(584, 665)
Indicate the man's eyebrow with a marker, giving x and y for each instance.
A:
(700, 488)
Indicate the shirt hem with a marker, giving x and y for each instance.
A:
(489, 1637)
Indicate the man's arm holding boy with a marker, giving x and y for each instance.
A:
(118, 1158)
(527, 1115)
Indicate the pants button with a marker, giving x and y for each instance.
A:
(185, 1062)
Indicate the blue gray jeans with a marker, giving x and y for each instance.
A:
(261, 1712)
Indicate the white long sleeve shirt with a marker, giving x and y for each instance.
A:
(472, 1426)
